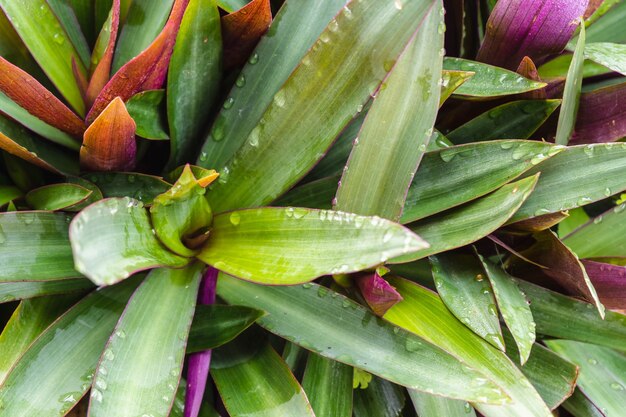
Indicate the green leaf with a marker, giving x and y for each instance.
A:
(571, 94)
(13, 291)
(610, 55)
(489, 81)
(35, 247)
(514, 120)
(449, 177)
(132, 381)
(577, 217)
(146, 110)
(193, 78)
(294, 30)
(315, 194)
(558, 67)
(370, 34)
(14, 111)
(56, 196)
(143, 23)
(376, 178)
(57, 369)
(559, 316)
(9, 193)
(49, 44)
(16, 140)
(328, 385)
(294, 245)
(431, 406)
(451, 80)
(255, 381)
(602, 237)
(67, 17)
(580, 406)
(513, 307)
(553, 377)
(423, 313)
(380, 399)
(602, 373)
(577, 176)
(463, 288)
(353, 335)
(608, 28)
(141, 187)
(113, 239)
(28, 321)
(470, 222)
(181, 213)
(215, 325)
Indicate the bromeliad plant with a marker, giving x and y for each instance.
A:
(372, 226)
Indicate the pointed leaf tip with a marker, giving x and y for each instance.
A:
(243, 29)
(109, 143)
(378, 293)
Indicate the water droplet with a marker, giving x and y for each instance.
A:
(467, 408)
(241, 81)
(447, 155)
(479, 277)
(121, 334)
(589, 150)
(542, 211)
(324, 37)
(204, 156)
(96, 395)
(592, 361)
(58, 38)
(584, 200)
(333, 26)
(229, 103)
(506, 145)
(359, 108)
(307, 285)
(217, 133)
(347, 12)
(492, 309)
(235, 218)
(289, 211)
(254, 58)
(412, 345)
(537, 158)
(387, 237)
(253, 140)
(109, 355)
(441, 28)
(101, 383)
(299, 212)
(617, 387)
(322, 291)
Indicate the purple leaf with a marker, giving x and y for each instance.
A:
(199, 363)
(601, 116)
(534, 28)
(609, 281)
(378, 294)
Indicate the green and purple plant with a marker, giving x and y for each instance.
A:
(297, 208)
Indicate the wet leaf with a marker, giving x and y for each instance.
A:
(328, 385)
(242, 30)
(141, 187)
(57, 196)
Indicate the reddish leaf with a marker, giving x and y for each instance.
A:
(528, 69)
(534, 28)
(241, 31)
(539, 223)
(609, 281)
(593, 6)
(199, 363)
(100, 75)
(378, 293)
(34, 97)
(12, 147)
(601, 116)
(563, 267)
(147, 71)
(109, 143)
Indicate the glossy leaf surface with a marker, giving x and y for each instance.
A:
(113, 239)
(193, 78)
(158, 316)
(359, 339)
(300, 25)
(242, 30)
(215, 325)
(609, 281)
(265, 387)
(449, 177)
(464, 289)
(611, 55)
(328, 385)
(593, 173)
(294, 245)
(468, 223)
(141, 187)
(403, 113)
(602, 237)
(367, 27)
(432, 406)
(56, 196)
(381, 398)
(12, 291)
(424, 314)
(44, 236)
(57, 369)
(146, 110)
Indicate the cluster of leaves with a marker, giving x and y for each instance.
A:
(365, 208)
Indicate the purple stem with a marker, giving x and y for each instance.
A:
(199, 363)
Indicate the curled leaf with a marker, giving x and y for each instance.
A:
(378, 294)
(26, 91)
(109, 143)
(601, 116)
(533, 28)
(242, 30)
